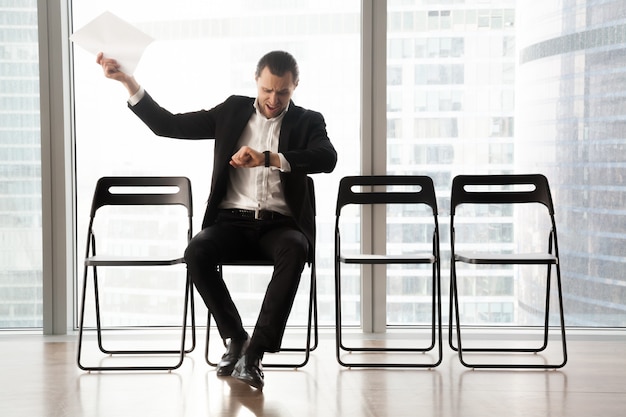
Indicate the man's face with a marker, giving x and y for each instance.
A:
(274, 92)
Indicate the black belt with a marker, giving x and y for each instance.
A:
(254, 214)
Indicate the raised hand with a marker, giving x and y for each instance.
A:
(111, 69)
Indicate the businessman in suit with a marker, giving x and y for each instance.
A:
(259, 204)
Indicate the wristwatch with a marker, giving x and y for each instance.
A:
(267, 159)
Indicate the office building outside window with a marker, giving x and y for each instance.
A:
(502, 86)
(450, 110)
(20, 168)
(570, 125)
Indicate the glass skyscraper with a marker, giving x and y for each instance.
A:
(507, 86)
(20, 167)
(571, 124)
(450, 111)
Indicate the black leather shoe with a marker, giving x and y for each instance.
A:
(250, 370)
(235, 350)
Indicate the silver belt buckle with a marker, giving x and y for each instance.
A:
(257, 213)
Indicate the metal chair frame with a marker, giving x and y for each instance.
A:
(474, 189)
(425, 195)
(312, 324)
(103, 196)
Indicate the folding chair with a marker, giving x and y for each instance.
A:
(498, 191)
(136, 193)
(419, 192)
(312, 334)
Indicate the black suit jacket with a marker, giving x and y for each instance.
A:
(303, 141)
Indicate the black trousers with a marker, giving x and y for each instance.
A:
(234, 238)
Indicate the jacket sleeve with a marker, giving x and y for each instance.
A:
(193, 125)
(318, 153)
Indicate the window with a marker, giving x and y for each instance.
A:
(211, 49)
(521, 117)
(20, 168)
(549, 101)
(456, 69)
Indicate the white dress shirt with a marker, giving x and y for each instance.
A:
(257, 188)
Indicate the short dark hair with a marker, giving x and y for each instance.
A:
(278, 62)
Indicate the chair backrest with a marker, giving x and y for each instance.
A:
(142, 191)
(500, 189)
(424, 191)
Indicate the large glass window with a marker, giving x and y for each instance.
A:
(204, 51)
(570, 117)
(20, 167)
(456, 122)
(466, 102)
(489, 86)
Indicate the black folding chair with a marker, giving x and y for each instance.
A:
(501, 191)
(137, 193)
(312, 334)
(409, 190)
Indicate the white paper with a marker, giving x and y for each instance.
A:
(114, 37)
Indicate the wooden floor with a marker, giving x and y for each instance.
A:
(39, 378)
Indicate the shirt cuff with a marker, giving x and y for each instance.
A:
(284, 164)
(136, 98)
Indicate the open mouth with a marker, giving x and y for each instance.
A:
(271, 109)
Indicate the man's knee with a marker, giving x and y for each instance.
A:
(190, 253)
(296, 248)
(200, 250)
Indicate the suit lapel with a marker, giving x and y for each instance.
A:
(239, 123)
(285, 128)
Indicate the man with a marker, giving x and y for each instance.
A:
(259, 205)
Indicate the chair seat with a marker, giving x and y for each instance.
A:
(248, 262)
(506, 258)
(418, 258)
(106, 260)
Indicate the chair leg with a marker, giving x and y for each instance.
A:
(81, 321)
(97, 305)
(461, 350)
(188, 307)
(192, 309)
(311, 322)
(436, 332)
(561, 314)
(453, 316)
(312, 332)
(208, 341)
